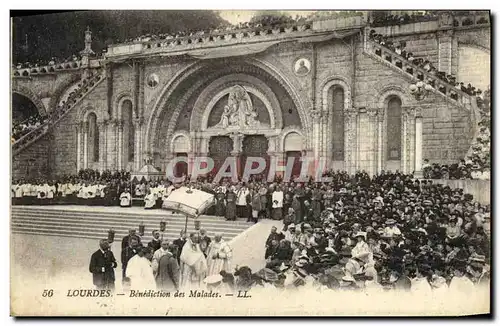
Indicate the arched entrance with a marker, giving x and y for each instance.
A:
(220, 148)
(22, 108)
(254, 146)
(194, 102)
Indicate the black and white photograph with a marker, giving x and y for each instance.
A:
(250, 163)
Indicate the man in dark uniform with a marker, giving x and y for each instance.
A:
(129, 252)
(155, 243)
(102, 265)
(126, 239)
(179, 244)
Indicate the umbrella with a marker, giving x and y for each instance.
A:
(191, 202)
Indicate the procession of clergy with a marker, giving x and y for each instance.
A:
(194, 262)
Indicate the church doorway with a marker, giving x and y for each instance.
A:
(297, 163)
(219, 149)
(181, 168)
(254, 146)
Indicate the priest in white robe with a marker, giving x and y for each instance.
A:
(149, 200)
(140, 273)
(125, 199)
(219, 256)
(193, 264)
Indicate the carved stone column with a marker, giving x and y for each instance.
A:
(102, 125)
(373, 136)
(138, 124)
(380, 141)
(237, 148)
(119, 125)
(316, 119)
(410, 139)
(79, 130)
(418, 143)
(85, 145)
(324, 135)
(406, 139)
(350, 139)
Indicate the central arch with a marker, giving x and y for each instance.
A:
(163, 103)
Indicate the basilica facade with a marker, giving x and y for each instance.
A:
(321, 90)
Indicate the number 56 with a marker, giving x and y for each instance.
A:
(48, 293)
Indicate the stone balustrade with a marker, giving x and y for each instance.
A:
(439, 86)
(53, 69)
(58, 113)
(475, 19)
(260, 34)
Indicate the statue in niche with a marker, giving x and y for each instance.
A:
(239, 111)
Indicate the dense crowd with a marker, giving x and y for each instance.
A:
(389, 232)
(477, 164)
(19, 129)
(52, 62)
(36, 121)
(399, 47)
(414, 17)
(269, 21)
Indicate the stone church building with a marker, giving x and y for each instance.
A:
(319, 89)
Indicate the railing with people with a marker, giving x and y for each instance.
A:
(438, 86)
(60, 111)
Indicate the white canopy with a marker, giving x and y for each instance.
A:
(191, 202)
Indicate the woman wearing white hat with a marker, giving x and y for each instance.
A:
(361, 255)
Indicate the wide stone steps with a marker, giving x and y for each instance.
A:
(415, 73)
(93, 223)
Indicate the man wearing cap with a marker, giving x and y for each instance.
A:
(219, 256)
(167, 276)
(179, 244)
(102, 265)
(131, 234)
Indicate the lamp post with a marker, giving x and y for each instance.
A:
(420, 90)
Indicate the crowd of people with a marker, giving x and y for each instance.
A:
(407, 18)
(193, 262)
(52, 62)
(36, 121)
(269, 21)
(389, 232)
(399, 47)
(19, 129)
(477, 164)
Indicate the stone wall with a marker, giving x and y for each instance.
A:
(447, 129)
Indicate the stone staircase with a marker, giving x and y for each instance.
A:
(94, 222)
(57, 116)
(414, 73)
